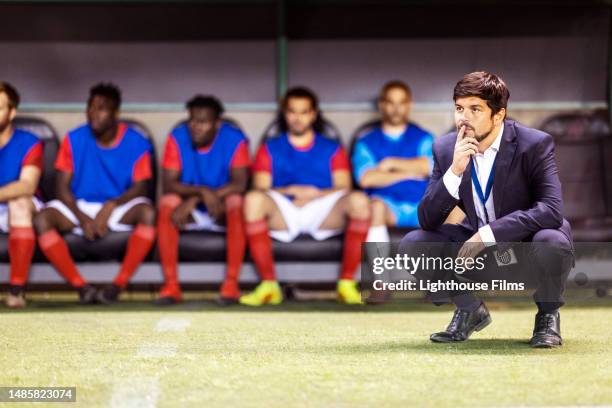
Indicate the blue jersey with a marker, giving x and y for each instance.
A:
(310, 165)
(103, 173)
(375, 146)
(22, 149)
(211, 165)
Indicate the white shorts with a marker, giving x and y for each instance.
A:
(4, 213)
(202, 222)
(92, 209)
(306, 219)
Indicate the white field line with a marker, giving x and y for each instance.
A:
(169, 324)
(140, 392)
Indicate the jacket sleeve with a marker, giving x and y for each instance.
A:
(437, 203)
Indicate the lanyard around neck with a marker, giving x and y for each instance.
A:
(489, 187)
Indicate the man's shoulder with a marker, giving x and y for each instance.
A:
(137, 138)
(526, 135)
(25, 136)
(372, 135)
(79, 131)
(445, 141)
(232, 134)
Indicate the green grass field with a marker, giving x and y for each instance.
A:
(302, 354)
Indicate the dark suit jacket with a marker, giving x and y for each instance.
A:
(526, 189)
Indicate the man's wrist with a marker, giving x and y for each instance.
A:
(452, 182)
(486, 234)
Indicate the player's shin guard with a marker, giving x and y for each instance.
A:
(55, 249)
(236, 245)
(260, 247)
(168, 238)
(138, 247)
(21, 249)
(355, 234)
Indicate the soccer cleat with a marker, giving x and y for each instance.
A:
(87, 295)
(15, 302)
(348, 292)
(108, 295)
(15, 299)
(169, 295)
(229, 294)
(267, 292)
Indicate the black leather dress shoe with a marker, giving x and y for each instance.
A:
(463, 325)
(546, 331)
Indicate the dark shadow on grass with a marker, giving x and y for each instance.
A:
(209, 306)
(470, 347)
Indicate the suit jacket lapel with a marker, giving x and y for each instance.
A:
(505, 155)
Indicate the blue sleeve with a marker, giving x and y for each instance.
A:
(426, 149)
(362, 160)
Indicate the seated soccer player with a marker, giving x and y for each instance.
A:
(392, 163)
(21, 162)
(102, 172)
(302, 184)
(205, 172)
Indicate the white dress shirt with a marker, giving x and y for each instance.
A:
(483, 163)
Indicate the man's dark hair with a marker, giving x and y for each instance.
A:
(11, 93)
(107, 90)
(486, 86)
(393, 85)
(305, 93)
(206, 101)
(300, 92)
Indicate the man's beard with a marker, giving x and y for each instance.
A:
(299, 132)
(483, 136)
(4, 126)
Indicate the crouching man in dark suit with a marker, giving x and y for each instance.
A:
(504, 177)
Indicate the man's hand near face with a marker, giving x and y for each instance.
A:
(465, 148)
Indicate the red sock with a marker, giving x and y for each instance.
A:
(167, 239)
(21, 250)
(260, 248)
(236, 245)
(355, 234)
(138, 247)
(55, 249)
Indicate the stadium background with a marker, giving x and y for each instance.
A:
(247, 52)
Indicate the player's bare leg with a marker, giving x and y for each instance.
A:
(22, 241)
(142, 217)
(353, 213)
(49, 223)
(262, 215)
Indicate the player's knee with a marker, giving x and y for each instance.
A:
(234, 201)
(20, 211)
(42, 221)
(21, 206)
(169, 201)
(146, 215)
(359, 204)
(379, 211)
(254, 201)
